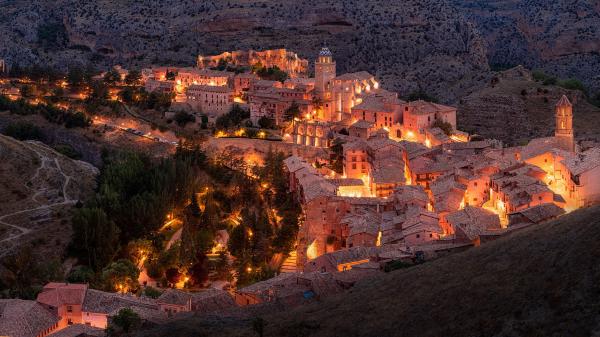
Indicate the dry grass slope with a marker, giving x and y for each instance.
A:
(38, 186)
(541, 281)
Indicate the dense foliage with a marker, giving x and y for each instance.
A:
(232, 119)
(270, 74)
(23, 131)
(51, 113)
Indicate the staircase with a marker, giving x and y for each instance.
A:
(289, 265)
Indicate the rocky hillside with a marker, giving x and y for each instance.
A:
(407, 44)
(561, 37)
(541, 281)
(515, 108)
(38, 186)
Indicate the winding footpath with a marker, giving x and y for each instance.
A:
(46, 164)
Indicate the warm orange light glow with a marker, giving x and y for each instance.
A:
(311, 251)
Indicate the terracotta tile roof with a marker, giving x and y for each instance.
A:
(79, 330)
(103, 302)
(423, 107)
(539, 146)
(408, 193)
(539, 213)
(212, 300)
(174, 296)
(421, 221)
(376, 104)
(21, 318)
(390, 174)
(583, 162)
(57, 294)
(346, 182)
(362, 222)
(474, 221)
(208, 88)
(362, 124)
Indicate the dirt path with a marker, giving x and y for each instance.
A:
(45, 161)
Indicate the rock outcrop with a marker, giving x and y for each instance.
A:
(560, 37)
(514, 108)
(408, 44)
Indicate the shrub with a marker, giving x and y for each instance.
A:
(68, 150)
(24, 131)
(266, 123)
(182, 118)
(445, 126)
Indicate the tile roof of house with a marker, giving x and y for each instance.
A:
(376, 144)
(390, 174)
(474, 221)
(539, 146)
(79, 330)
(57, 294)
(281, 285)
(583, 162)
(362, 124)
(407, 193)
(174, 296)
(322, 284)
(295, 163)
(373, 103)
(104, 302)
(540, 213)
(357, 144)
(482, 144)
(424, 107)
(346, 182)
(423, 165)
(362, 222)
(209, 88)
(421, 221)
(21, 318)
(212, 300)
(438, 135)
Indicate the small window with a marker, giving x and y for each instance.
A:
(418, 236)
(430, 235)
(475, 184)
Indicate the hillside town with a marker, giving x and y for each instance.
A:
(383, 183)
(408, 175)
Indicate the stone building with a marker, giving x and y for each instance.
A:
(271, 100)
(312, 133)
(564, 123)
(210, 100)
(285, 60)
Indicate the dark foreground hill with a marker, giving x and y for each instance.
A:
(541, 281)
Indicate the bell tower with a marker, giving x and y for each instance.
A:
(324, 72)
(564, 123)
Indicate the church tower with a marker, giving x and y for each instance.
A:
(324, 72)
(564, 123)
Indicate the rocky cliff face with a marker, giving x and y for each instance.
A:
(514, 108)
(407, 44)
(561, 37)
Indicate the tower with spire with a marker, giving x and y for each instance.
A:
(564, 123)
(324, 71)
